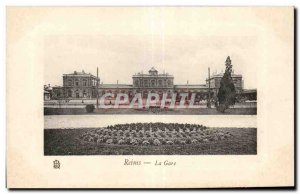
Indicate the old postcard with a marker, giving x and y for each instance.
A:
(150, 97)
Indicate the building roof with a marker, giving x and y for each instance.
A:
(114, 86)
(152, 70)
(250, 91)
(79, 74)
(190, 86)
(152, 73)
(55, 87)
(158, 75)
(220, 75)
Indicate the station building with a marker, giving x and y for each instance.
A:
(77, 85)
(81, 85)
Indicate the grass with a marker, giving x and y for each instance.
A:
(68, 142)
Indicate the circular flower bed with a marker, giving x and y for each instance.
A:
(154, 134)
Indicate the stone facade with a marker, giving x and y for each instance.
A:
(77, 85)
(215, 81)
(152, 82)
(84, 86)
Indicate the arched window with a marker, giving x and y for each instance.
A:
(84, 82)
(76, 82)
(152, 83)
(69, 93)
(77, 94)
(160, 83)
(84, 94)
(70, 82)
(145, 83)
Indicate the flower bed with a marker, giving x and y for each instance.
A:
(153, 134)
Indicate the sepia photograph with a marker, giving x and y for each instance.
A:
(82, 98)
(163, 75)
(173, 96)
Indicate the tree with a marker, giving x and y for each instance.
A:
(226, 95)
(90, 108)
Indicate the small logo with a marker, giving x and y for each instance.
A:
(56, 164)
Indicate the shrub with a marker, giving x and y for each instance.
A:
(88, 138)
(194, 141)
(156, 142)
(215, 138)
(139, 140)
(127, 140)
(85, 138)
(182, 142)
(162, 140)
(188, 141)
(133, 142)
(145, 142)
(121, 141)
(109, 141)
(177, 141)
(220, 133)
(170, 142)
(105, 137)
(90, 108)
(227, 135)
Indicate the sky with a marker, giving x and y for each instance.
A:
(177, 41)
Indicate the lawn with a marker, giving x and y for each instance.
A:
(183, 111)
(168, 139)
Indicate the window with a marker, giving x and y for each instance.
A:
(76, 82)
(84, 82)
(160, 83)
(69, 93)
(145, 83)
(77, 94)
(152, 83)
(70, 82)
